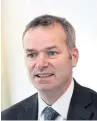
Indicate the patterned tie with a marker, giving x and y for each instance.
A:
(50, 114)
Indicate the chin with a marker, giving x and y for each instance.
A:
(45, 88)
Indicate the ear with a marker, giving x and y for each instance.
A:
(75, 56)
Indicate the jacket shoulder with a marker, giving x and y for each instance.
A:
(12, 112)
(93, 95)
(87, 92)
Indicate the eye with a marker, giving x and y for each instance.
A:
(32, 55)
(52, 53)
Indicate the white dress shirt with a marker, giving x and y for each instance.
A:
(61, 105)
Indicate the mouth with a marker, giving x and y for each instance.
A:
(44, 75)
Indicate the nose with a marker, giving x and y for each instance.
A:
(41, 62)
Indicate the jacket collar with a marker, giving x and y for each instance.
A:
(29, 109)
(80, 101)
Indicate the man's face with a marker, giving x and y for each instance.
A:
(47, 57)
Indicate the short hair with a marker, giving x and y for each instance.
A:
(47, 20)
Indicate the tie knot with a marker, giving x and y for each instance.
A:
(50, 114)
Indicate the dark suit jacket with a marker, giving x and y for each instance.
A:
(83, 106)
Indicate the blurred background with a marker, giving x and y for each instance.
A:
(82, 14)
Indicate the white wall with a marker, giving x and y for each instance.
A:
(83, 16)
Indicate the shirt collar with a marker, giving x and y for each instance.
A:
(42, 105)
(61, 105)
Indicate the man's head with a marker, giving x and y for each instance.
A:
(49, 43)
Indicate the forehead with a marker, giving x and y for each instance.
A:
(42, 37)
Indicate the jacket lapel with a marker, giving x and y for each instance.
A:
(79, 103)
(79, 113)
(29, 109)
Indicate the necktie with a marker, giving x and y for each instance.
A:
(50, 114)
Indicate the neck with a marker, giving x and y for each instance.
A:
(49, 97)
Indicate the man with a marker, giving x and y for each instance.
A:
(51, 54)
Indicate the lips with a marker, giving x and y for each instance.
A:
(44, 75)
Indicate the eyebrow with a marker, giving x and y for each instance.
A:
(48, 48)
(30, 50)
(51, 47)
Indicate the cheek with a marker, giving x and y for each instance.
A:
(30, 65)
(62, 65)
